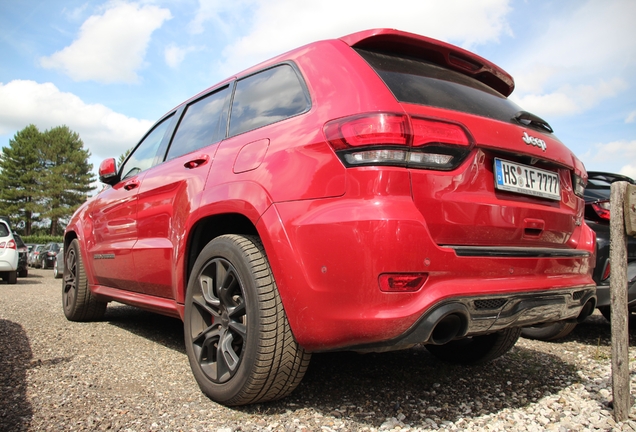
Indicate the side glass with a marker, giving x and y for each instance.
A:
(202, 124)
(267, 97)
(143, 156)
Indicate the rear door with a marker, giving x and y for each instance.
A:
(171, 190)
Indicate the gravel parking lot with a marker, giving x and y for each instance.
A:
(130, 373)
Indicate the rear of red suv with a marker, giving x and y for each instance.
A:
(368, 193)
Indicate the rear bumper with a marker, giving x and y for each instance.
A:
(327, 257)
(470, 316)
(7, 265)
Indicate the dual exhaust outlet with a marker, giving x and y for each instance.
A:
(451, 321)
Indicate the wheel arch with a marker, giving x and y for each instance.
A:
(204, 231)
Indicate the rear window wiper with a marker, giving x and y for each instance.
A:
(528, 119)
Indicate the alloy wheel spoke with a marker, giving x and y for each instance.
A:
(227, 360)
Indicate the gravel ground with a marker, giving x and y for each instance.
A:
(130, 373)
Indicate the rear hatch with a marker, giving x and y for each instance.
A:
(484, 172)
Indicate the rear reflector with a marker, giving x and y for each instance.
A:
(402, 282)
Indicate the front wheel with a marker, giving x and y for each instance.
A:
(78, 302)
(477, 349)
(239, 343)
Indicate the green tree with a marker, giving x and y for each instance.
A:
(67, 174)
(20, 172)
(44, 176)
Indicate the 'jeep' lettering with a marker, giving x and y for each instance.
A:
(537, 142)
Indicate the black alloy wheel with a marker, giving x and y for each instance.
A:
(220, 320)
(239, 343)
(77, 300)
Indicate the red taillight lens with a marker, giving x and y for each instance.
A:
(602, 209)
(397, 140)
(368, 130)
(402, 282)
(606, 271)
(436, 132)
(9, 245)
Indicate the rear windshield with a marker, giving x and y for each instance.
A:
(424, 83)
(4, 231)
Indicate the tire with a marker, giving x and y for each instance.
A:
(238, 340)
(23, 273)
(78, 302)
(606, 312)
(477, 349)
(550, 332)
(12, 277)
(56, 273)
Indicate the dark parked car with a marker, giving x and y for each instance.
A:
(46, 257)
(597, 216)
(367, 193)
(23, 252)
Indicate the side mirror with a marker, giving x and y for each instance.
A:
(108, 172)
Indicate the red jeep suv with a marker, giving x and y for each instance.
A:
(367, 193)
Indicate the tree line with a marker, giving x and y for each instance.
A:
(44, 177)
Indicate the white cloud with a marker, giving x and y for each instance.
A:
(279, 25)
(104, 132)
(174, 55)
(568, 100)
(595, 38)
(629, 171)
(631, 117)
(223, 15)
(110, 47)
(612, 156)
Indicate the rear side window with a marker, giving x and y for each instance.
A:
(4, 231)
(267, 97)
(203, 123)
(423, 83)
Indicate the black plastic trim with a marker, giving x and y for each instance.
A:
(516, 252)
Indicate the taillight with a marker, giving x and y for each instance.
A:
(578, 185)
(8, 245)
(602, 209)
(368, 130)
(606, 271)
(397, 140)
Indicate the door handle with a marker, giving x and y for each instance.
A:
(194, 163)
(131, 185)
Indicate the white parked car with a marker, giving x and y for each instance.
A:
(8, 254)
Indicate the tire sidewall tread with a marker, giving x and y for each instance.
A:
(272, 364)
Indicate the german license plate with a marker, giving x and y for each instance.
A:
(524, 179)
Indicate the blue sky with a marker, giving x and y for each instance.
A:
(109, 69)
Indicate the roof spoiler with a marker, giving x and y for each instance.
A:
(435, 51)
